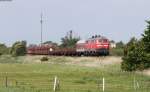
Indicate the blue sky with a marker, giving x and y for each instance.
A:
(115, 19)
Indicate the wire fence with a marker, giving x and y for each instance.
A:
(52, 84)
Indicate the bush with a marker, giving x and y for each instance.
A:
(135, 57)
(18, 49)
(44, 59)
(4, 49)
(137, 53)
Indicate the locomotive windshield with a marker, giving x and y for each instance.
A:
(105, 41)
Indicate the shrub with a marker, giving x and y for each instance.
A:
(137, 53)
(18, 49)
(4, 49)
(135, 58)
(44, 59)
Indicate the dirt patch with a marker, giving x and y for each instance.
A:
(146, 72)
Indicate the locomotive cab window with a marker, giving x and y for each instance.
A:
(100, 40)
(105, 40)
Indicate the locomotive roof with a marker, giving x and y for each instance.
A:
(101, 37)
(81, 41)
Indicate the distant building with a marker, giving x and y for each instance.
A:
(112, 44)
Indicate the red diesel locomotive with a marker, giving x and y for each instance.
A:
(95, 46)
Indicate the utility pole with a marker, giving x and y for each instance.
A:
(71, 34)
(41, 21)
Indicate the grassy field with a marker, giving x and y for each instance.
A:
(28, 74)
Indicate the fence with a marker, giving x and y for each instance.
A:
(54, 83)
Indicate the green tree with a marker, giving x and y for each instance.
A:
(3, 49)
(51, 43)
(69, 41)
(18, 48)
(146, 44)
(112, 41)
(129, 46)
(137, 53)
(146, 38)
(120, 44)
(135, 59)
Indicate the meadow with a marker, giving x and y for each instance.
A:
(75, 74)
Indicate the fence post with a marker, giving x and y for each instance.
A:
(55, 83)
(103, 84)
(137, 85)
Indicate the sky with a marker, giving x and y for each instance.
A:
(116, 19)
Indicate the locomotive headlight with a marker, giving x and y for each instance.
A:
(99, 45)
(50, 49)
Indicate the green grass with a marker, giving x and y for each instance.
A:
(35, 77)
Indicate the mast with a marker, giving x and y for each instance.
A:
(41, 21)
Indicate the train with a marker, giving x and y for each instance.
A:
(94, 46)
